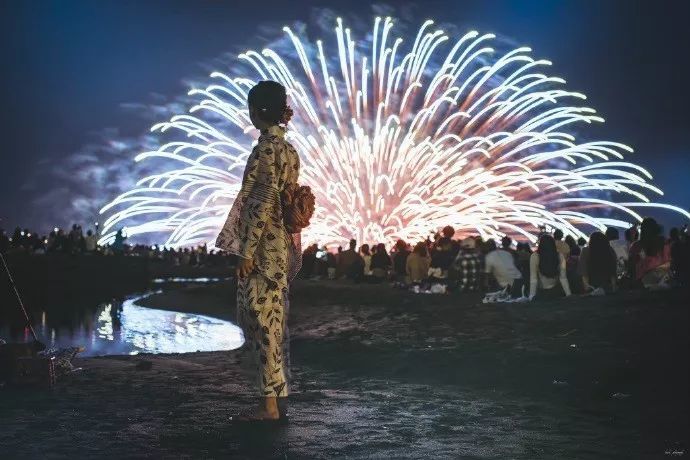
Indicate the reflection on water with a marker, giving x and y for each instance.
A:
(188, 280)
(123, 327)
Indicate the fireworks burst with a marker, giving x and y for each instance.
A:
(397, 139)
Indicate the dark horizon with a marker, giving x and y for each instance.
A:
(72, 68)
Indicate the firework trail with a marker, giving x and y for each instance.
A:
(397, 139)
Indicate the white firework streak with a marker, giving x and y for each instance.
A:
(396, 145)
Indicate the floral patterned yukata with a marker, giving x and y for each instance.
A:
(254, 229)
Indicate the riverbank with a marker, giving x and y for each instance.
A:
(384, 373)
(56, 282)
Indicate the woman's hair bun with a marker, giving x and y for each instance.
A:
(287, 115)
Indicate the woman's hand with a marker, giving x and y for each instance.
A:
(244, 267)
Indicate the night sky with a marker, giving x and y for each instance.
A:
(68, 68)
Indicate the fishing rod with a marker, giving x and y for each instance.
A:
(19, 298)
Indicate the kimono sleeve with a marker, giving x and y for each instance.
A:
(259, 194)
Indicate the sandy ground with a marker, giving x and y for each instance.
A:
(380, 373)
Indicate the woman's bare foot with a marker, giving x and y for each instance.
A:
(267, 410)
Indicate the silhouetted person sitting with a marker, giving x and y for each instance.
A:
(90, 242)
(118, 245)
(417, 264)
(351, 263)
(380, 263)
(522, 254)
(331, 263)
(650, 256)
(561, 246)
(547, 271)
(631, 235)
(447, 236)
(442, 256)
(400, 259)
(620, 247)
(507, 245)
(501, 265)
(572, 244)
(366, 258)
(308, 261)
(321, 263)
(467, 265)
(598, 264)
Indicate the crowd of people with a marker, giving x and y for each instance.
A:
(30, 242)
(77, 242)
(559, 265)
